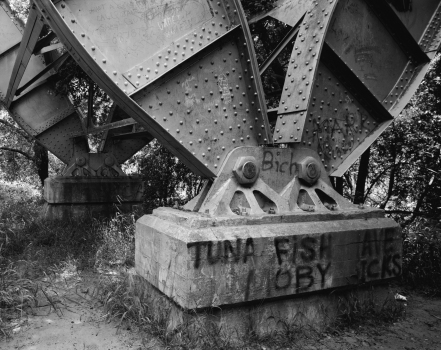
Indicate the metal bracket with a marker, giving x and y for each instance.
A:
(288, 180)
(94, 165)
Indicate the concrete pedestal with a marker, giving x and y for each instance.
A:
(79, 197)
(271, 263)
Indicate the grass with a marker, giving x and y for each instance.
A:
(127, 299)
(365, 308)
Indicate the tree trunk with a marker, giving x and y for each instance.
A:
(339, 185)
(363, 171)
(41, 161)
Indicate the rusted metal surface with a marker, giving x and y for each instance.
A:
(211, 106)
(303, 62)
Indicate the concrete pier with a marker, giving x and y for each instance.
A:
(272, 264)
(81, 196)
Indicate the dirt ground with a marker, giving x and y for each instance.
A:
(420, 329)
(72, 319)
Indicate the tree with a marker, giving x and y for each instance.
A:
(165, 178)
(405, 167)
(21, 157)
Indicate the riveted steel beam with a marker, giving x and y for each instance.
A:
(351, 82)
(102, 61)
(398, 31)
(279, 48)
(50, 48)
(43, 42)
(30, 37)
(99, 129)
(59, 61)
(134, 135)
(305, 56)
(106, 81)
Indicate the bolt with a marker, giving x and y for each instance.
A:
(309, 170)
(249, 170)
(109, 161)
(80, 161)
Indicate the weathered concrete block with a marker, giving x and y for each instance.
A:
(234, 322)
(201, 262)
(86, 210)
(82, 189)
(80, 197)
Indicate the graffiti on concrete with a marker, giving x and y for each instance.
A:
(299, 263)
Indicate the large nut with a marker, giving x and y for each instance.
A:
(309, 170)
(246, 170)
(109, 161)
(80, 161)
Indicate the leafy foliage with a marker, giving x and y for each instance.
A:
(166, 180)
(405, 165)
(422, 259)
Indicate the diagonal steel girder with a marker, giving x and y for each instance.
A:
(231, 29)
(30, 38)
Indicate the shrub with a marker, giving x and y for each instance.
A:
(422, 259)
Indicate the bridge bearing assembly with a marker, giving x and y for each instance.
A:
(92, 185)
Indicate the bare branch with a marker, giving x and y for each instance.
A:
(18, 151)
(374, 181)
(391, 181)
(406, 212)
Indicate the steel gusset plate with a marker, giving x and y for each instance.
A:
(38, 110)
(211, 106)
(342, 92)
(113, 41)
(50, 119)
(122, 149)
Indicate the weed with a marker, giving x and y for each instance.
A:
(16, 295)
(117, 242)
(357, 307)
(125, 299)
